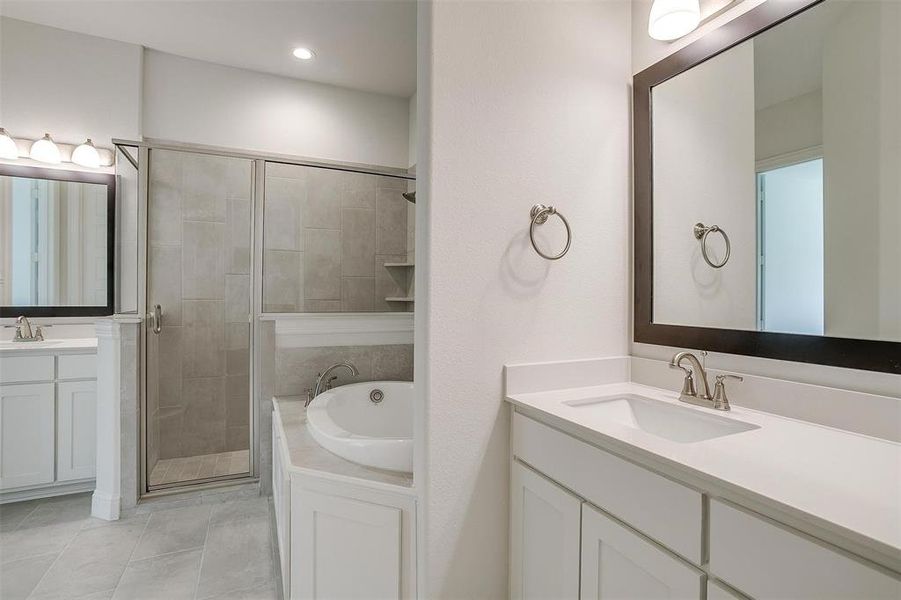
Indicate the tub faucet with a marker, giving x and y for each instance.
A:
(324, 382)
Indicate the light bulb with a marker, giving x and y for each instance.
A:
(8, 147)
(671, 19)
(86, 155)
(44, 150)
(303, 53)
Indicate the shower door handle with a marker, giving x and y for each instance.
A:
(156, 319)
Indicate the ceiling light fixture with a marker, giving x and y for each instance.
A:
(86, 155)
(303, 53)
(8, 147)
(45, 150)
(671, 19)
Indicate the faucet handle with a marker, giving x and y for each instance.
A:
(720, 399)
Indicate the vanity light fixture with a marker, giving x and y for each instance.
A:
(671, 19)
(86, 155)
(45, 150)
(303, 53)
(8, 147)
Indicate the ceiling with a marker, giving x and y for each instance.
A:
(367, 45)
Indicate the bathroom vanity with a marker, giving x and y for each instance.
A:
(622, 491)
(48, 408)
(343, 529)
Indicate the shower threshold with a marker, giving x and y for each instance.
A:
(190, 468)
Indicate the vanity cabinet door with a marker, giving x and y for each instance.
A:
(26, 435)
(619, 563)
(76, 434)
(545, 523)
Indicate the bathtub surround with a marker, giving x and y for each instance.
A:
(327, 237)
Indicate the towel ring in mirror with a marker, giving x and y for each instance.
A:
(701, 233)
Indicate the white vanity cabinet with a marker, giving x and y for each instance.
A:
(48, 422)
(587, 523)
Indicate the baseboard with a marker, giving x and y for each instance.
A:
(105, 506)
(47, 491)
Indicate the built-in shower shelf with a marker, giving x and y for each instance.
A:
(399, 299)
(399, 265)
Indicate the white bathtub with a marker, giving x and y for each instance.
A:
(347, 422)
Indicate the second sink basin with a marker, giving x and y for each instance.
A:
(673, 423)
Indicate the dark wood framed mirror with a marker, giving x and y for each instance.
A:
(57, 242)
(776, 47)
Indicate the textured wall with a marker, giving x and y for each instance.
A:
(519, 103)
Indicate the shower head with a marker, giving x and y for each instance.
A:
(410, 197)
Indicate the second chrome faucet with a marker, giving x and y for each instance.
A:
(690, 394)
(324, 381)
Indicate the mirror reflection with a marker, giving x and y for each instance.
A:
(777, 188)
(55, 243)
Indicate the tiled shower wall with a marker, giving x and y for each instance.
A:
(199, 258)
(327, 236)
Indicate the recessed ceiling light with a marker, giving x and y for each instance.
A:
(303, 53)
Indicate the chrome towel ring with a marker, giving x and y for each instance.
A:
(540, 214)
(701, 232)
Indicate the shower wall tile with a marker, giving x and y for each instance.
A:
(359, 191)
(237, 408)
(170, 392)
(283, 281)
(204, 187)
(283, 225)
(164, 216)
(390, 282)
(171, 434)
(204, 338)
(165, 281)
(237, 229)
(169, 355)
(322, 209)
(357, 294)
(237, 298)
(204, 426)
(322, 306)
(322, 264)
(357, 242)
(391, 221)
(203, 261)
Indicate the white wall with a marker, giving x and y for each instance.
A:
(411, 130)
(71, 85)
(199, 102)
(796, 124)
(704, 172)
(520, 103)
(861, 133)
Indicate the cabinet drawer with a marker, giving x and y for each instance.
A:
(23, 369)
(662, 509)
(77, 366)
(765, 560)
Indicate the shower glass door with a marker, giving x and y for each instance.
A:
(198, 400)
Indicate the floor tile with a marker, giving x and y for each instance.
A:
(228, 512)
(267, 591)
(55, 511)
(168, 577)
(21, 576)
(92, 562)
(174, 530)
(237, 556)
(35, 541)
(13, 513)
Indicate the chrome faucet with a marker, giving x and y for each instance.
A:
(324, 382)
(24, 332)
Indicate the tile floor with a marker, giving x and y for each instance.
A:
(189, 468)
(199, 548)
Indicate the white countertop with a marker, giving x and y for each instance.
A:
(51, 346)
(307, 456)
(845, 484)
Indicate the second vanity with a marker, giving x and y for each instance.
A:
(622, 491)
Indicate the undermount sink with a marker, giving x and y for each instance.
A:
(674, 423)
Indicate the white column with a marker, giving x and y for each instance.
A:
(107, 499)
